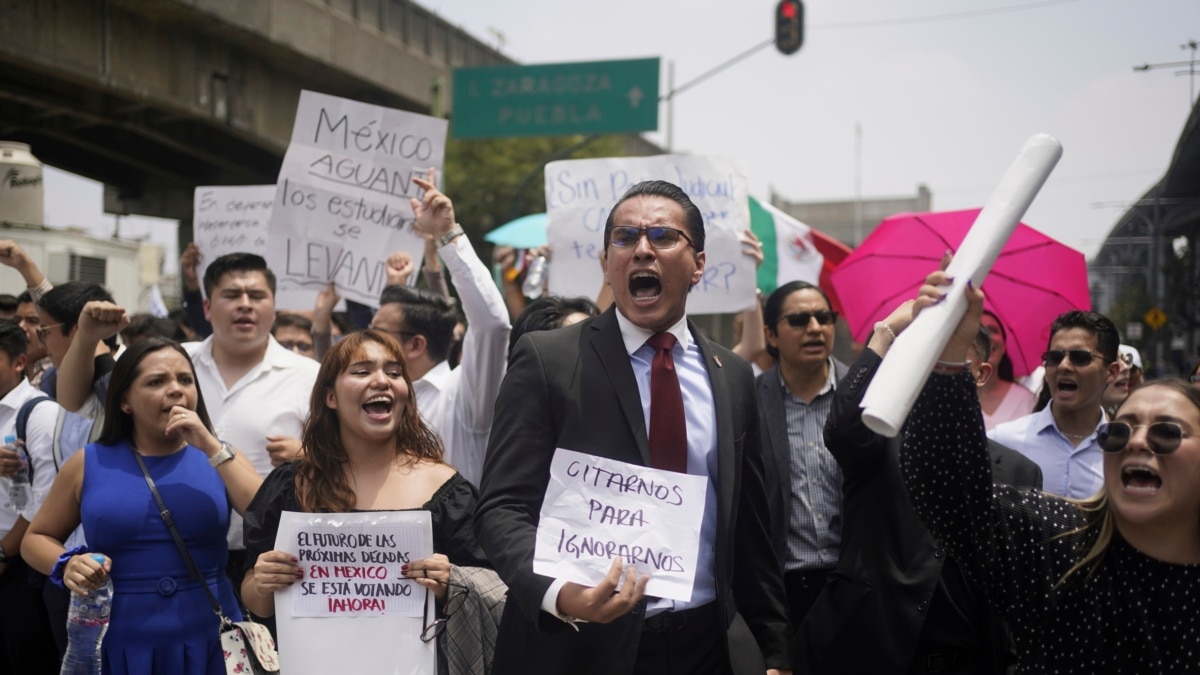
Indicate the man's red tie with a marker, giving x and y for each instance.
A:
(668, 431)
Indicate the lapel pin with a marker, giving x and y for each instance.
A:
(718, 360)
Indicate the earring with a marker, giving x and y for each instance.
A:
(126, 409)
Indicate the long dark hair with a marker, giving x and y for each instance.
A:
(118, 424)
(321, 484)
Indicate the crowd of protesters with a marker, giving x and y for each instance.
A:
(997, 534)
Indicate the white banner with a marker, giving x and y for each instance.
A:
(581, 192)
(230, 219)
(342, 203)
(598, 509)
(350, 612)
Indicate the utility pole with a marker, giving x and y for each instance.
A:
(672, 90)
(1156, 283)
(1190, 64)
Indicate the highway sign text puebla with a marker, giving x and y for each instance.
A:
(553, 99)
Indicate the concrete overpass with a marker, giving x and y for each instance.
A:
(1140, 265)
(154, 97)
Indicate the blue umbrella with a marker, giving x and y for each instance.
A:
(524, 232)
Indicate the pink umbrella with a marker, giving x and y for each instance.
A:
(1033, 281)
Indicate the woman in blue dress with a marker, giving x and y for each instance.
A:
(161, 621)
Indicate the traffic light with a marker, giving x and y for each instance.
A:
(789, 26)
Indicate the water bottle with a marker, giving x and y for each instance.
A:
(87, 622)
(535, 278)
(20, 491)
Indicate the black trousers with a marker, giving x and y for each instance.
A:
(24, 625)
(691, 642)
(803, 587)
(58, 605)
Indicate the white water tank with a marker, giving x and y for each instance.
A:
(21, 198)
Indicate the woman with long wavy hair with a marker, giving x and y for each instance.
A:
(1100, 585)
(365, 449)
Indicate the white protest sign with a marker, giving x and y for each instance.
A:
(350, 611)
(230, 219)
(597, 509)
(581, 192)
(342, 201)
(234, 219)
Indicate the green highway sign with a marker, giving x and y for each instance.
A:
(556, 99)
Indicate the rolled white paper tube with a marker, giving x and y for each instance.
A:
(903, 372)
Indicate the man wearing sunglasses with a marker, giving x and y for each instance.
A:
(804, 483)
(1080, 361)
(594, 387)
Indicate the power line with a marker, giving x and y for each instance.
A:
(952, 16)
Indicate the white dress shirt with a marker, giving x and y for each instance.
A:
(458, 404)
(270, 400)
(39, 435)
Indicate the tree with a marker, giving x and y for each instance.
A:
(484, 176)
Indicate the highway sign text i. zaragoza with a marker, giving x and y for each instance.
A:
(554, 99)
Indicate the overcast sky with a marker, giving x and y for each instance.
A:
(946, 92)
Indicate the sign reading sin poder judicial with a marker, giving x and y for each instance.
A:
(598, 509)
(580, 193)
(342, 200)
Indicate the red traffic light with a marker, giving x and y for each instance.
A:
(789, 26)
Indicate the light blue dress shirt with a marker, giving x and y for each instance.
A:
(701, 418)
(1068, 470)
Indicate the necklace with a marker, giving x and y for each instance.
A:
(1078, 437)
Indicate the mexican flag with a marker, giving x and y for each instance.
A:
(788, 249)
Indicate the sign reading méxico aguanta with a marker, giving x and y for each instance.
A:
(553, 99)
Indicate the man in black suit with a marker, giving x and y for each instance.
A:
(894, 587)
(587, 388)
(804, 483)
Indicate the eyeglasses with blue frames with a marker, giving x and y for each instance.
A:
(1162, 437)
(801, 319)
(455, 598)
(623, 236)
(1079, 357)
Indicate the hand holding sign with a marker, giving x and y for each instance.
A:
(275, 571)
(432, 573)
(434, 211)
(189, 263)
(604, 603)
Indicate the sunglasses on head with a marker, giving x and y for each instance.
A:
(623, 236)
(1079, 357)
(1162, 437)
(800, 319)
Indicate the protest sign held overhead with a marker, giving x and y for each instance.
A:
(598, 509)
(581, 192)
(342, 204)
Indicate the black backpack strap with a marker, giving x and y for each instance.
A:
(23, 422)
(24, 413)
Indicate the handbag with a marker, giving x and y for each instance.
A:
(247, 646)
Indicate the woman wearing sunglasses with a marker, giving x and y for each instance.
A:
(1106, 584)
(366, 449)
